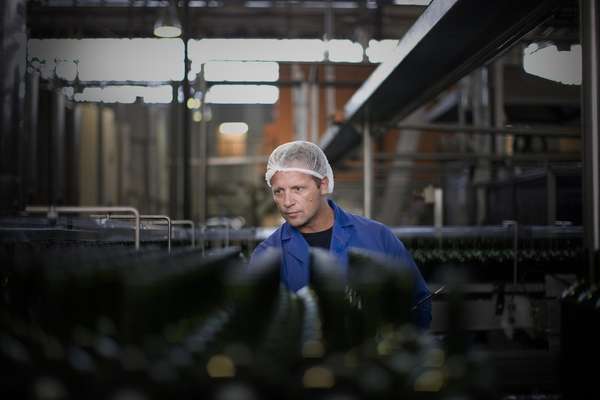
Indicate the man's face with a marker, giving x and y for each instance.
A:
(298, 197)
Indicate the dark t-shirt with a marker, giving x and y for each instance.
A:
(319, 239)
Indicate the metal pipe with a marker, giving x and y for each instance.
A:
(474, 156)
(329, 69)
(367, 167)
(203, 154)
(202, 235)
(314, 103)
(186, 137)
(174, 157)
(150, 217)
(486, 130)
(54, 211)
(515, 226)
(590, 116)
(429, 296)
(58, 139)
(221, 161)
(499, 114)
(100, 154)
(282, 83)
(191, 224)
(187, 222)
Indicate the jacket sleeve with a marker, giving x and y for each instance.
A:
(395, 248)
(260, 249)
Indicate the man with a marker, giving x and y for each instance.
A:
(300, 179)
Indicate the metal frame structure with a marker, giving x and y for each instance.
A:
(485, 130)
(191, 224)
(479, 31)
(150, 217)
(53, 212)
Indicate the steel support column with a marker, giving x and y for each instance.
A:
(58, 138)
(187, 143)
(590, 92)
(99, 156)
(13, 52)
(203, 170)
(174, 155)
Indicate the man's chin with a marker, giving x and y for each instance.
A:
(295, 222)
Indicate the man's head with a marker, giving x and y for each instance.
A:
(300, 178)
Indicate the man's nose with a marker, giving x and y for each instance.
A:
(288, 200)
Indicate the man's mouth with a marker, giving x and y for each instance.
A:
(293, 214)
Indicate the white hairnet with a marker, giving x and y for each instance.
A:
(300, 156)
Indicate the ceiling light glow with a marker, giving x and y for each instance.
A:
(233, 128)
(241, 71)
(379, 50)
(125, 94)
(111, 59)
(288, 50)
(242, 94)
(344, 50)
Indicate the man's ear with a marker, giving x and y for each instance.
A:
(324, 185)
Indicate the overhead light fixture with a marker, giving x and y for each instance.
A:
(168, 25)
(233, 128)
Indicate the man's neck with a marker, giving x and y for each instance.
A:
(322, 220)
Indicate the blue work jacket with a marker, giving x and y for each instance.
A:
(349, 230)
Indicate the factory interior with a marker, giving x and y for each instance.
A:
(134, 140)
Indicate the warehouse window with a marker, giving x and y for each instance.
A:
(232, 139)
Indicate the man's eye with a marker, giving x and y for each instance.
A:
(298, 189)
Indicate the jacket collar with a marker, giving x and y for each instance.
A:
(342, 231)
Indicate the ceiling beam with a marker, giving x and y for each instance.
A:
(448, 41)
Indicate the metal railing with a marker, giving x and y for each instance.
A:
(54, 211)
(150, 217)
(191, 224)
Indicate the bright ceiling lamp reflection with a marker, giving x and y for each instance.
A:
(344, 50)
(301, 50)
(546, 61)
(167, 31)
(241, 71)
(125, 94)
(168, 25)
(109, 59)
(379, 50)
(233, 128)
(242, 94)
